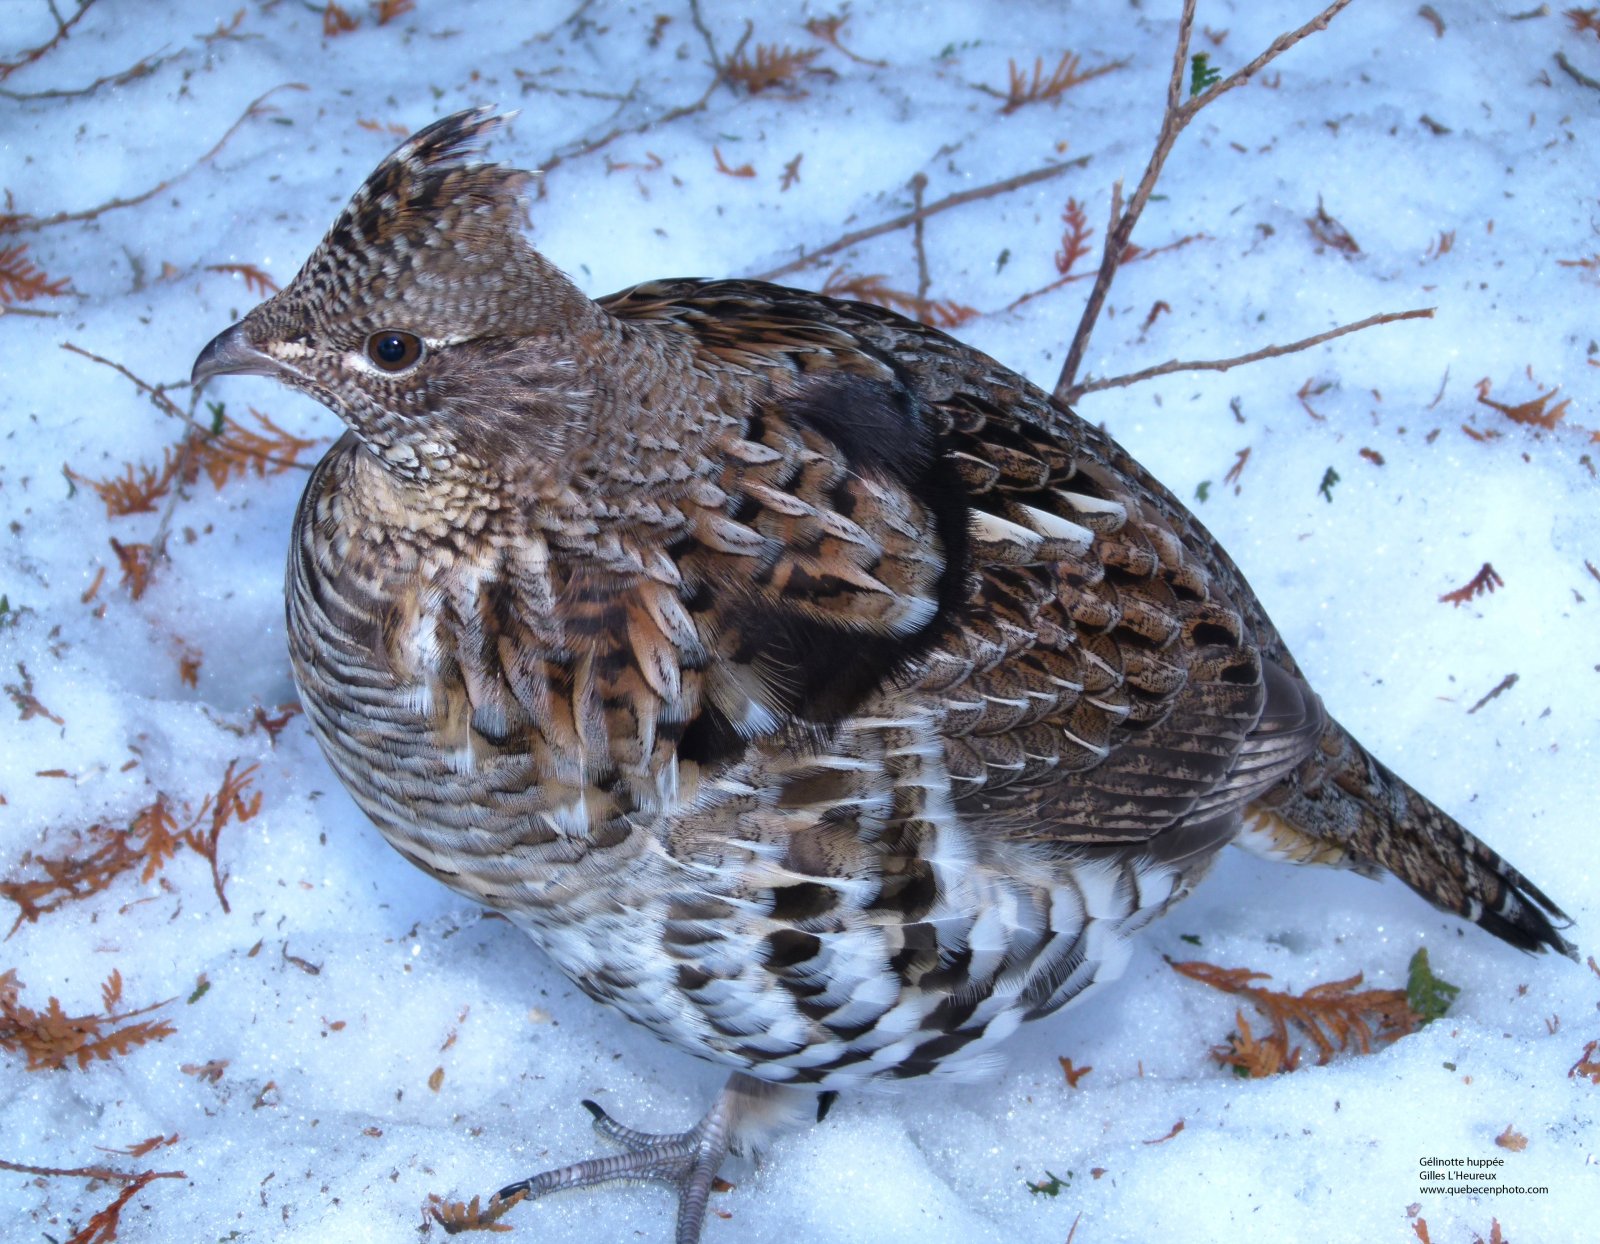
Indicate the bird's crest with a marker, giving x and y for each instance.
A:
(439, 178)
(434, 238)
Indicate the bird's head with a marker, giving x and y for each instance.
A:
(425, 319)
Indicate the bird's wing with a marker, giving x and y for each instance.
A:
(907, 521)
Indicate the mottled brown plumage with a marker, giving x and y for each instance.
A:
(810, 686)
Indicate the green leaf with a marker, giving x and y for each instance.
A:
(1190, 938)
(1052, 1187)
(1429, 996)
(1201, 75)
(1202, 491)
(1330, 477)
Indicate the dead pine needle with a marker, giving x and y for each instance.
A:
(51, 1039)
(1041, 88)
(772, 68)
(76, 864)
(875, 288)
(1334, 1016)
(1535, 412)
(459, 1216)
(1481, 584)
(22, 281)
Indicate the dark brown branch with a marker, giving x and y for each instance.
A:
(912, 217)
(1255, 356)
(1581, 78)
(28, 224)
(1177, 116)
(919, 183)
(1500, 688)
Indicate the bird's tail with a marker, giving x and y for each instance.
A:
(1342, 807)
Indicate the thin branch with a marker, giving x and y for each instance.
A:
(103, 1173)
(145, 67)
(1122, 222)
(912, 217)
(1275, 49)
(194, 434)
(1581, 78)
(1178, 114)
(1500, 688)
(156, 392)
(699, 21)
(29, 224)
(1255, 356)
(919, 183)
(63, 29)
(590, 146)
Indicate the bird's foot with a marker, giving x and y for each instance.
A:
(688, 1161)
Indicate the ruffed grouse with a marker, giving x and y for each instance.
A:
(810, 687)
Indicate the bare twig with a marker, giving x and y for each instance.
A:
(1178, 114)
(989, 191)
(1255, 356)
(1500, 688)
(194, 434)
(530, 82)
(63, 29)
(158, 398)
(699, 21)
(143, 69)
(827, 29)
(591, 145)
(919, 183)
(102, 1173)
(28, 224)
(1578, 76)
(156, 392)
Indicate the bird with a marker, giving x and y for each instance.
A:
(812, 688)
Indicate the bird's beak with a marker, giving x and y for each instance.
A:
(231, 353)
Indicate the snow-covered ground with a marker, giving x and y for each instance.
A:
(373, 1039)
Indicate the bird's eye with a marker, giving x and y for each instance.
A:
(394, 351)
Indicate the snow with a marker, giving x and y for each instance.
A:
(323, 1125)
